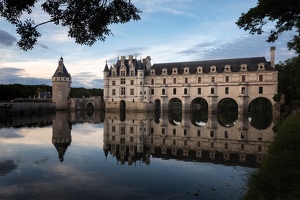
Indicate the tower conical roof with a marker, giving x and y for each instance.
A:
(61, 70)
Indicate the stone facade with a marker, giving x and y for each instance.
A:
(137, 85)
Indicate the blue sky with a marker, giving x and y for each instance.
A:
(169, 31)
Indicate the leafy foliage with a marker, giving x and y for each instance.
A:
(278, 176)
(87, 21)
(289, 78)
(13, 91)
(285, 14)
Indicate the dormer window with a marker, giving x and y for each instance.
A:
(186, 70)
(243, 67)
(152, 71)
(261, 66)
(164, 71)
(213, 69)
(227, 68)
(174, 71)
(131, 72)
(113, 73)
(199, 69)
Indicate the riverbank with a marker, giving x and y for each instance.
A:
(278, 175)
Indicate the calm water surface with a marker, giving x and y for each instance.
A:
(77, 157)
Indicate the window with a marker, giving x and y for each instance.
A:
(132, 73)
(199, 90)
(243, 78)
(242, 146)
(152, 91)
(260, 90)
(131, 139)
(198, 133)
(242, 135)
(113, 92)
(152, 81)
(174, 80)
(226, 90)
(227, 79)
(186, 80)
(113, 129)
(123, 91)
(184, 132)
(113, 73)
(174, 90)
(212, 90)
(226, 146)
(260, 78)
(199, 79)
(162, 131)
(113, 138)
(131, 91)
(185, 91)
(131, 82)
(122, 80)
(174, 131)
(122, 131)
(164, 81)
(113, 82)
(211, 133)
(213, 79)
(243, 90)
(122, 73)
(198, 144)
(163, 91)
(226, 134)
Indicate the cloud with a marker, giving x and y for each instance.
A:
(43, 46)
(14, 75)
(7, 39)
(7, 166)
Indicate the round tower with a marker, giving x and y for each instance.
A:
(106, 83)
(61, 85)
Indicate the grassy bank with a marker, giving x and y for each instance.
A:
(279, 174)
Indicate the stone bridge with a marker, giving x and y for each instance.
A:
(91, 103)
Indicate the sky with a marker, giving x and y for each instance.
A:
(169, 31)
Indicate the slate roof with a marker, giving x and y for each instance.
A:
(64, 72)
(252, 64)
(137, 64)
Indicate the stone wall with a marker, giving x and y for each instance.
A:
(25, 108)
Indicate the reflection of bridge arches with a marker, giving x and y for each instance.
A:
(260, 113)
(175, 111)
(90, 109)
(227, 112)
(199, 111)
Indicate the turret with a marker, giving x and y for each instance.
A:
(106, 82)
(61, 85)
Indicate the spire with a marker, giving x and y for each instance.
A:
(140, 66)
(106, 67)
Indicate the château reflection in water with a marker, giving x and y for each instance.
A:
(184, 136)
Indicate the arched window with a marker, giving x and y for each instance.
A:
(185, 91)
(212, 90)
(163, 91)
(243, 90)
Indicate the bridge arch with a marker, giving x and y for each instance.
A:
(175, 111)
(260, 112)
(227, 112)
(199, 111)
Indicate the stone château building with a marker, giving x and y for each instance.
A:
(137, 85)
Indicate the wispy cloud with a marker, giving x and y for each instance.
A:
(6, 38)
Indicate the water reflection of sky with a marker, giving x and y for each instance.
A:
(30, 169)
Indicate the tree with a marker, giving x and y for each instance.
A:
(87, 21)
(285, 14)
(289, 78)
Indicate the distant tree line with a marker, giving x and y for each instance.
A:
(12, 91)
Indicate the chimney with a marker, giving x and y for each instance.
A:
(272, 50)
